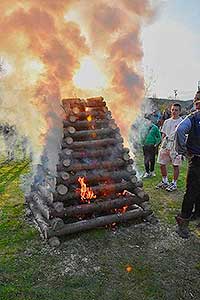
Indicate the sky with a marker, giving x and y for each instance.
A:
(171, 51)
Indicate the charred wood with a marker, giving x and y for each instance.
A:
(97, 222)
(95, 207)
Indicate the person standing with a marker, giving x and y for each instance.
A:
(167, 153)
(150, 141)
(187, 140)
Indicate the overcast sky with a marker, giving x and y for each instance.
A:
(172, 49)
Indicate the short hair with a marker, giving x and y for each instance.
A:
(177, 105)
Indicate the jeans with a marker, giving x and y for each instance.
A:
(192, 194)
(149, 152)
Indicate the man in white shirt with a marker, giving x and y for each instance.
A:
(167, 153)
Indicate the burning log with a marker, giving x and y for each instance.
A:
(89, 133)
(90, 144)
(95, 207)
(96, 165)
(95, 110)
(100, 190)
(90, 115)
(98, 222)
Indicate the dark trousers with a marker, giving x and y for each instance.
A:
(149, 152)
(192, 194)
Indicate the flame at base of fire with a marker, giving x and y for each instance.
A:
(86, 192)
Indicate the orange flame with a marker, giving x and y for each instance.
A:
(89, 118)
(86, 192)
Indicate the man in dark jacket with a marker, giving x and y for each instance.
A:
(187, 139)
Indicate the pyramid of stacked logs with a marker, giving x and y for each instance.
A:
(96, 184)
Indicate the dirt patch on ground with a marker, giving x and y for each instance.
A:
(133, 262)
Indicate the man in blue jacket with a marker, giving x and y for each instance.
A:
(188, 143)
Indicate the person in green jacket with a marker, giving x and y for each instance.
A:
(150, 139)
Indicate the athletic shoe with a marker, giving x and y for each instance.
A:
(162, 185)
(172, 187)
(152, 174)
(146, 175)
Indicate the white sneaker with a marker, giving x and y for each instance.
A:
(152, 174)
(146, 175)
(162, 185)
(172, 187)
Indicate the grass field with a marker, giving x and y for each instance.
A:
(132, 262)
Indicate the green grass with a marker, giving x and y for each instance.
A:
(165, 204)
(89, 265)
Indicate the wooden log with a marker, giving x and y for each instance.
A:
(45, 193)
(42, 223)
(58, 207)
(71, 100)
(101, 176)
(66, 162)
(90, 114)
(40, 204)
(69, 130)
(99, 191)
(95, 207)
(139, 192)
(139, 183)
(94, 104)
(117, 163)
(85, 124)
(56, 223)
(62, 189)
(62, 176)
(97, 222)
(93, 133)
(91, 144)
(95, 99)
(113, 152)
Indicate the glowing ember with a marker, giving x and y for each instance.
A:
(86, 192)
(129, 268)
(89, 118)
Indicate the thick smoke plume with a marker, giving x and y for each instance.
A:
(42, 45)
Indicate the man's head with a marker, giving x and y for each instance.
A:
(197, 100)
(175, 110)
